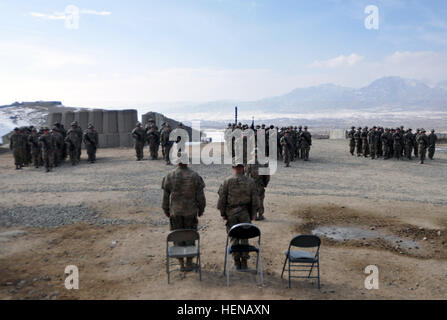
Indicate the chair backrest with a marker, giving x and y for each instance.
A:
(305, 241)
(244, 231)
(183, 235)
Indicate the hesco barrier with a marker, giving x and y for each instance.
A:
(67, 118)
(82, 118)
(96, 119)
(127, 120)
(110, 122)
(114, 127)
(54, 118)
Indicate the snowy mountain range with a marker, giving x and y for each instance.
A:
(389, 93)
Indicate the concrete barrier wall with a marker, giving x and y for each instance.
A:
(54, 118)
(126, 140)
(160, 119)
(337, 134)
(67, 118)
(110, 122)
(82, 118)
(127, 120)
(96, 119)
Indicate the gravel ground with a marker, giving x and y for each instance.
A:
(73, 214)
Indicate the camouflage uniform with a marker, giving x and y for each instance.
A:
(397, 144)
(36, 149)
(351, 140)
(238, 203)
(372, 143)
(59, 144)
(306, 143)
(16, 145)
(153, 139)
(261, 183)
(183, 200)
(415, 143)
(408, 143)
(423, 143)
(365, 145)
(139, 136)
(286, 149)
(72, 141)
(358, 142)
(387, 140)
(166, 143)
(91, 142)
(432, 139)
(48, 147)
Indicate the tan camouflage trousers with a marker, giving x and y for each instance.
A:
(183, 222)
(48, 158)
(240, 217)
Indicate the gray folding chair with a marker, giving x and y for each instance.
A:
(303, 259)
(189, 251)
(244, 231)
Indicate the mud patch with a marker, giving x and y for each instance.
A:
(343, 226)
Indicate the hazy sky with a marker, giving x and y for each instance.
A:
(125, 53)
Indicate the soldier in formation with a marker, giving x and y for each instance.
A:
(139, 136)
(390, 143)
(261, 181)
(91, 142)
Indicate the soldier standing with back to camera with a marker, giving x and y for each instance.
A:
(261, 182)
(365, 145)
(72, 141)
(183, 201)
(59, 145)
(397, 144)
(286, 148)
(238, 203)
(387, 139)
(153, 140)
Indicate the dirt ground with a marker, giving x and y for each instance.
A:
(398, 198)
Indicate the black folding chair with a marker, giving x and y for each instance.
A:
(189, 251)
(305, 261)
(244, 231)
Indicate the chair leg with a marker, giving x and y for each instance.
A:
(318, 268)
(257, 263)
(290, 283)
(167, 269)
(225, 263)
(228, 269)
(311, 269)
(199, 263)
(284, 267)
(260, 267)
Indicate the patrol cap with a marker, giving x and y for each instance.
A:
(138, 124)
(423, 130)
(16, 129)
(90, 126)
(306, 127)
(34, 129)
(74, 123)
(352, 127)
(432, 130)
(237, 163)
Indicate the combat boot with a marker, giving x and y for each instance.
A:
(189, 265)
(237, 262)
(244, 265)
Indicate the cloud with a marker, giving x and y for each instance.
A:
(55, 16)
(94, 12)
(340, 61)
(63, 16)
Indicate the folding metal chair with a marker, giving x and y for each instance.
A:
(303, 259)
(189, 251)
(244, 231)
